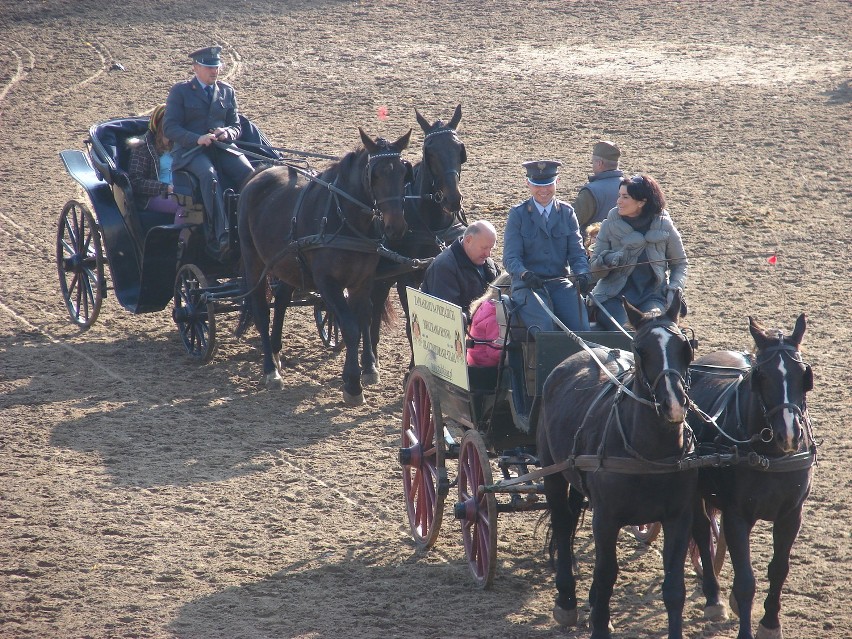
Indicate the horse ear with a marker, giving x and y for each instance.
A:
(633, 314)
(673, 311)
(367, 141)
(808, 382)
(756, 329)
(463, 155)
(423, 122)
(402, 143)
(454, 121)
(409, 172)
(799, 330)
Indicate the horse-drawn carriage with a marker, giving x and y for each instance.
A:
(151, 259)
(589, 446)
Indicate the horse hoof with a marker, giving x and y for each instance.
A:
(370, 379)
(610, 628)
(765, 633)
(565, 617)
(716, 612)
(274, 381)
(353, 400)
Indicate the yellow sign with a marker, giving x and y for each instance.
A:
(438, 337)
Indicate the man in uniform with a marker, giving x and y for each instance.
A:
(200, 113)
(463, 270)
(597, 196)
(542, 240)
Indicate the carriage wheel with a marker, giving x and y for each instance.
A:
(477, 512)
(424, 474)
(718, 545)
(646, 533)
(80, 263)
(327, 326)
(194, 315)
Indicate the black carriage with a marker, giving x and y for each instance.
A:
(482, 417)
(151, 259)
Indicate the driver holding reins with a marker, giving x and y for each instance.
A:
(200, 112)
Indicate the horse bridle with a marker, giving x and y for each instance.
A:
(801, 411)
(437, 195)
(643, 376)
(368, 179)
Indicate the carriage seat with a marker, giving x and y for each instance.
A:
(110, 151)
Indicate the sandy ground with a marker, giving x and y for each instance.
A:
(144, 496)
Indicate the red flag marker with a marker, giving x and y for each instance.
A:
(382, 112)
(772, 259)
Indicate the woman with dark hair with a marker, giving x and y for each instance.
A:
(640, 252)
(150, 169)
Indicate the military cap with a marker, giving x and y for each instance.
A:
(542, 172)
(606, 150)
(208, 56)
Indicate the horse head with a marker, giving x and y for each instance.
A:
(779, 381)
(662, 354)
(443, 155)
(385, 177)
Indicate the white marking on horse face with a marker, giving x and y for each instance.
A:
(789, 415)
(664, 337)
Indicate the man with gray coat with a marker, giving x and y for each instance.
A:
(597, 196)
(200, 113)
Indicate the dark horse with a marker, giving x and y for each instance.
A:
(621, 446)
(758, 405)
(322, 233)
(433, 212)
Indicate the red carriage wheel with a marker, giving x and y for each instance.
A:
(646, 533)
(194, 314)
(80, 263)
(477, 512)
(424, 475)
(718, 546)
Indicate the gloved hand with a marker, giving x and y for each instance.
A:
(613, 259)
(584, 283)
(532, 280)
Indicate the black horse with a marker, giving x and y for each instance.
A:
(620, 445)
(433, 212)
(758, 405)
(322, 233)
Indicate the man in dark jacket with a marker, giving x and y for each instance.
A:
(199, 113)
(463, 270)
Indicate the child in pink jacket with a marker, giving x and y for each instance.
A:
(483, 325)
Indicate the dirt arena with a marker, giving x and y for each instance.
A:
(144, 496)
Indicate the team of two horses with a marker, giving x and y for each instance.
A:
(623, 438)
(624, 441)
(323, 233)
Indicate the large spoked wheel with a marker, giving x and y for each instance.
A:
(646, 533)
(424, 474)
(327, 326)
(194, 314)
(477, 512)
(718, 545)
(80, 263)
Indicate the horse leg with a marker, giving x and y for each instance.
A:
(565, 504)
(414, 280)
(676, 533)
(605, 573)
(784, 533)
(332, 295)
(378, 297)
(283, 296)
(260, 313)
(714, 609)
(737, 533)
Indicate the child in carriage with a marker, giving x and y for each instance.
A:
(484, 329)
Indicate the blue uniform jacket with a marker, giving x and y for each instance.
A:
(189, 114)
(545, 248)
